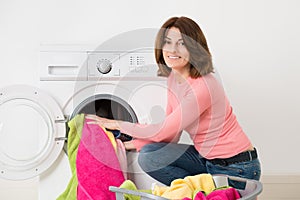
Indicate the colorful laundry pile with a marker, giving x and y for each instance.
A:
(95, 158)
(198, 187)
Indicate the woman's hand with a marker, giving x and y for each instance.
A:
(104, 122)
(109, 124)
(129, 145)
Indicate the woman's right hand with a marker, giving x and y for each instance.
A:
(104, 122)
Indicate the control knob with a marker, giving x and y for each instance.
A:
(104, 66)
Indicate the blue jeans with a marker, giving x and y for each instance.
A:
(168, 161)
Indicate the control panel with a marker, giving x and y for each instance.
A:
(123, 64)
(83, 64)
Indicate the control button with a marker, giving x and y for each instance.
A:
(104, 66)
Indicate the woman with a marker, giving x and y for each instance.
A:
(197, 104)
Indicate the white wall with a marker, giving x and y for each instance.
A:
(255, 46)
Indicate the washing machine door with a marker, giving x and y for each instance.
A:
(31, 130)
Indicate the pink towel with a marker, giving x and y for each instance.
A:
(97, 165)
(199, 196)
(224, 194)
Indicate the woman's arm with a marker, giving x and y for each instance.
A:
(181, 117)
(196, 101)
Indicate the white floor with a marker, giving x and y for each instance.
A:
(275, 187)
(280, 187)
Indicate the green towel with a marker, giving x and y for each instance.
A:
(129, 185)
(75, 125)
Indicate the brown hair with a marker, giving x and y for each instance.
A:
(195, 42)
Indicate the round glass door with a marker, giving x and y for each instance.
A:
(31, 125)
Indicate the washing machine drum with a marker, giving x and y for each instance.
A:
(31, 126)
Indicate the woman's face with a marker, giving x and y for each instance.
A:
(175, 52)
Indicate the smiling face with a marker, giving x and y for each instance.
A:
(175, 52)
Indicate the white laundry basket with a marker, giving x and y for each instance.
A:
(252, 190)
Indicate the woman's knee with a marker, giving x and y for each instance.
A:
(149, 155)
(152, 147)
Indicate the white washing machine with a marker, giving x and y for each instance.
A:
(114, 84)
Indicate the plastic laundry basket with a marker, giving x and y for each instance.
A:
(252, 190)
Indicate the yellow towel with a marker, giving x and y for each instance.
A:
(178, 189)
(187, 187)
(111, 137)
(201, 182)
(159, 190)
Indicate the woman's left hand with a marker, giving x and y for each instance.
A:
(104, 122)
(129, 145)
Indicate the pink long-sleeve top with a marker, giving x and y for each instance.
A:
(200, 107)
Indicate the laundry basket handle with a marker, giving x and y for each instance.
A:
(251, 185)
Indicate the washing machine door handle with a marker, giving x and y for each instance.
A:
(61, 138)
(32, 131)
(65, 120)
